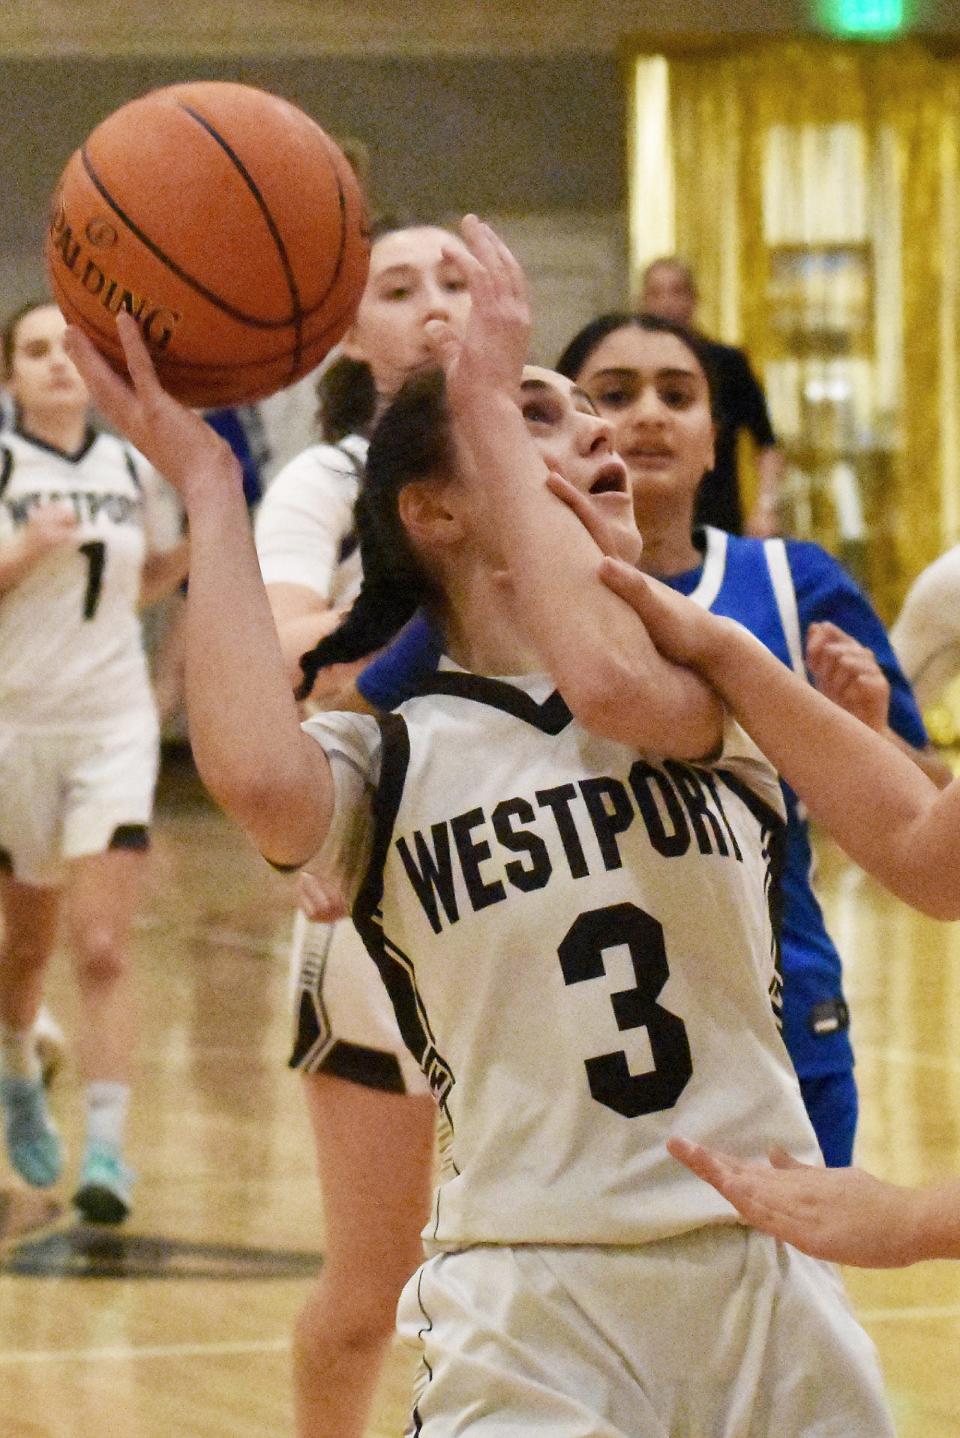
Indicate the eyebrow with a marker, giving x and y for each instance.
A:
(627, 371)
(577, 395)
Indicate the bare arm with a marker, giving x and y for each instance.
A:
(302, 619)
(244, 727)
(600, 658)
(840, 1214)
(163, 571)
(878, 805)
(847, 672)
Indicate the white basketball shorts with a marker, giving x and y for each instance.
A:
(67, 795)
(722, 1333)
(344, 1022)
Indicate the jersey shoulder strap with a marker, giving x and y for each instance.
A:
(355, 464)
(784, 592)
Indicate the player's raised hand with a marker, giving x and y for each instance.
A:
(175, 440)
(848, 673)
(490, 356)
(50, 527)
(840, 1214)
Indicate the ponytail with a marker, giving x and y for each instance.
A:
(411, 441)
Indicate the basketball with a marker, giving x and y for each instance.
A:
(227, 222)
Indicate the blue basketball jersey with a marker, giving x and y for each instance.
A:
(776, 589)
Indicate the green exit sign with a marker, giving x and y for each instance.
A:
(863, 17)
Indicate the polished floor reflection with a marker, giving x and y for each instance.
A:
(183, 1326)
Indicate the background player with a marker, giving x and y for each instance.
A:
(370, 1110)
(669, 291)
(547, 1151)
(78, 745)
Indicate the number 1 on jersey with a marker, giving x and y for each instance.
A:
(96, 552)
(581, 958)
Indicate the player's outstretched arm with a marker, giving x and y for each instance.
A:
(876, 802)
(840, 1214)
(600, 657)
(244, 726)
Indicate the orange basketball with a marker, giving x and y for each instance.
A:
(227, 223)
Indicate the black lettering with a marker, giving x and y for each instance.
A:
(694, 798)
(19, 509)
(94, 273)
(158, 327)
(69, 247)
(521, 841)
(712, 785)
(558, 801)
(643, 780)
(434, 877)
(610, 821)
(472, 854)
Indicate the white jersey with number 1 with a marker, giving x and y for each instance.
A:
(71, 655)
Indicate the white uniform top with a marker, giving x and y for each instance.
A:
(71, 654)
(926, 636)
(304, 526)
(579, 948)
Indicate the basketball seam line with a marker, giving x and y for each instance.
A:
(253, 187)
(176, 269)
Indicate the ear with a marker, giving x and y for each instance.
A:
(427, 514)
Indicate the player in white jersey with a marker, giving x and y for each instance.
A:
(78, 744)
(579, 1282)
(370, 1110)
(926, 635)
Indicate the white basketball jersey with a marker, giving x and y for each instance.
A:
(70, 648)
(304, 527)
(579, 947)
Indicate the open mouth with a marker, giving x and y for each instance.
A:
(612, 479)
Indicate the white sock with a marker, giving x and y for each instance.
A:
(19, 1054)
(107, 1104)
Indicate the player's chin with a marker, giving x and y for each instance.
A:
(616, 507)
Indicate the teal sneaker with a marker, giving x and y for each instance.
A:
(32, 1141)
(105, 1186)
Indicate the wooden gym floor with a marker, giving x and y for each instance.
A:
(182, 1324)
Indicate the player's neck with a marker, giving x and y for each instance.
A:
(667, 544)
(63, 430)
(480, 632)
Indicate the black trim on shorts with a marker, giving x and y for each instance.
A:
(550, 717)
(130, 836)
(6, 862)
(6, 467)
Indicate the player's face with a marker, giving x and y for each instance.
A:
(653, 391)
(43, 379)
(416, 275)
(575, 441)
(669, 294)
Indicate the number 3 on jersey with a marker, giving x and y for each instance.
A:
(581, 958)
